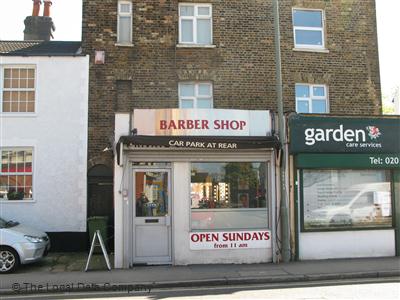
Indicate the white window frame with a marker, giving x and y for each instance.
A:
(196, 93)
(194, 19)
(312, 97)
(34, 89)
(124, 14)
(32, 173)
(321, 29)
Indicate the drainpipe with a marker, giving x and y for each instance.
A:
(282, 138)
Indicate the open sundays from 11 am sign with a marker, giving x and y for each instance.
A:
(312, 134)
(220, 240)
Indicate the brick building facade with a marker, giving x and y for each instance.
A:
(240, 62)
(329, 59)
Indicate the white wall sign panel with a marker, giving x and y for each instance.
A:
(202, 122)
(220, 240)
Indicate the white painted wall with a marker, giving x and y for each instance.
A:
(121, 204)
(58, 134)
(397, 104)
(181, 253)
(346, 244)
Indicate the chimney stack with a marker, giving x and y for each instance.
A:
(39, 28)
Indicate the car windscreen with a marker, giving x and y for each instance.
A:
(2, 223)
(349, 194)
(7, 224)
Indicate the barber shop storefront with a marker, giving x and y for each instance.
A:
(347, 181)
(194, 187)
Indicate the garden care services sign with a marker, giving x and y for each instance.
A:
(219, 240)
(202, 122)
(312, 134)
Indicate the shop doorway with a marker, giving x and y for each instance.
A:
(151, 216)
(100, 198)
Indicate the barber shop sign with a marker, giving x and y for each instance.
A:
(202, 122)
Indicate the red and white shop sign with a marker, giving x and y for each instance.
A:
(220, 240)
(202, 122)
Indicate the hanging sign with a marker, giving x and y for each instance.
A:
(201, 122)
(220, 240)
(344, 134)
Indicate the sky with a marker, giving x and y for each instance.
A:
(67, 16)
(388, 20)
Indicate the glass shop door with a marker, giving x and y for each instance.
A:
(152, 217)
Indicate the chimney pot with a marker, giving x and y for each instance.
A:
(36, 7)
(47, 4)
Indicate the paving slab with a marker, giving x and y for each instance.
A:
(29, 278)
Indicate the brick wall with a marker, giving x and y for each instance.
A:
(350, 69)
(241, 66)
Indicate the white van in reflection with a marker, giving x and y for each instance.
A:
(370, 204)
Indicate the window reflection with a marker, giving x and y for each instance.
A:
(229, 195)
(346, 199)
(228, 185)
(151, 192)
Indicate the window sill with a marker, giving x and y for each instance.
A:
(311, 50)
(325, 230)
(229, 229)
(194, 46)
(17, 201)
(313, 113)
(130, 45)
(18, 115)
(194, 210)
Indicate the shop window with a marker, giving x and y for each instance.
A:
(18, 95)
(16, 174)
(311, 98)
(308, 28)
(195, 95)
(195, 24)
(346, 199)
(124, 22)
(229, 195)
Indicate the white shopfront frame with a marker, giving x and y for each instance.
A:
(354, 243)
(180, 209)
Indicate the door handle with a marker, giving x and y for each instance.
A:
(167, 220)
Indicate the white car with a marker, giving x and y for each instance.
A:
(20, 244)
(369, 202)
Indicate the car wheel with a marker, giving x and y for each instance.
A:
(341, 220)
(9, 260)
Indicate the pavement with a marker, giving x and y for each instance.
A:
(58, 262)
(70, 277)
